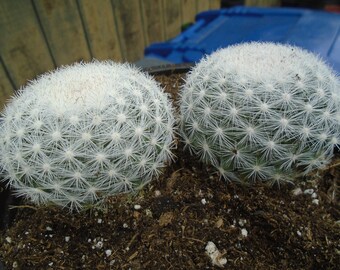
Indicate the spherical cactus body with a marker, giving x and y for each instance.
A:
(86, 131)
(261, 111)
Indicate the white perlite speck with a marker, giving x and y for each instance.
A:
(98, 245)
(67, 238)
(309, 191)
(244, 232)
(137, 207)
(241, 222)
(8, 239)
(203, 201)
(315, 201)
(108, 252)
(215, 255)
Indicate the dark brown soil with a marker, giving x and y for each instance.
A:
(169, 224)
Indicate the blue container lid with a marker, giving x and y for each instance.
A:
(316, 31)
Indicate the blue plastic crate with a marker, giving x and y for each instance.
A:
(316, 31)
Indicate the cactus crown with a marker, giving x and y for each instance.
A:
(261, 111)
(85, 131)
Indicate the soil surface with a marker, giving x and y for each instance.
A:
(172, 222)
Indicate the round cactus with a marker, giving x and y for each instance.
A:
(86, 131)
(261, 111)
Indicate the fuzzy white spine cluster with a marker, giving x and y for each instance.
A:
(83, 132)
(261, 111)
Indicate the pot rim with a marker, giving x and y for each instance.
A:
(169, 69)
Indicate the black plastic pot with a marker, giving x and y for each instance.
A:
(6, 214)
(7, 199)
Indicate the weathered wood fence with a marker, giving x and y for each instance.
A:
(40, 35)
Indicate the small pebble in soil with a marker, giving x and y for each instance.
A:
(297, 191)
(148, 213)
(219, 223)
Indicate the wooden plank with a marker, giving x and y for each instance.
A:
(63, 29)
(153, 24)
(215, 4)
(129, 27)
(172, 18)
(263, 3)
(22, 45)
(202, 5)
(188, 11)
(6, 88)
(100, 29)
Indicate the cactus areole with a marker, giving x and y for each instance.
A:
(261, 111)
(86, 131)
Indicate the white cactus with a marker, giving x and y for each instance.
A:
(85, 131)
(261, 111)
